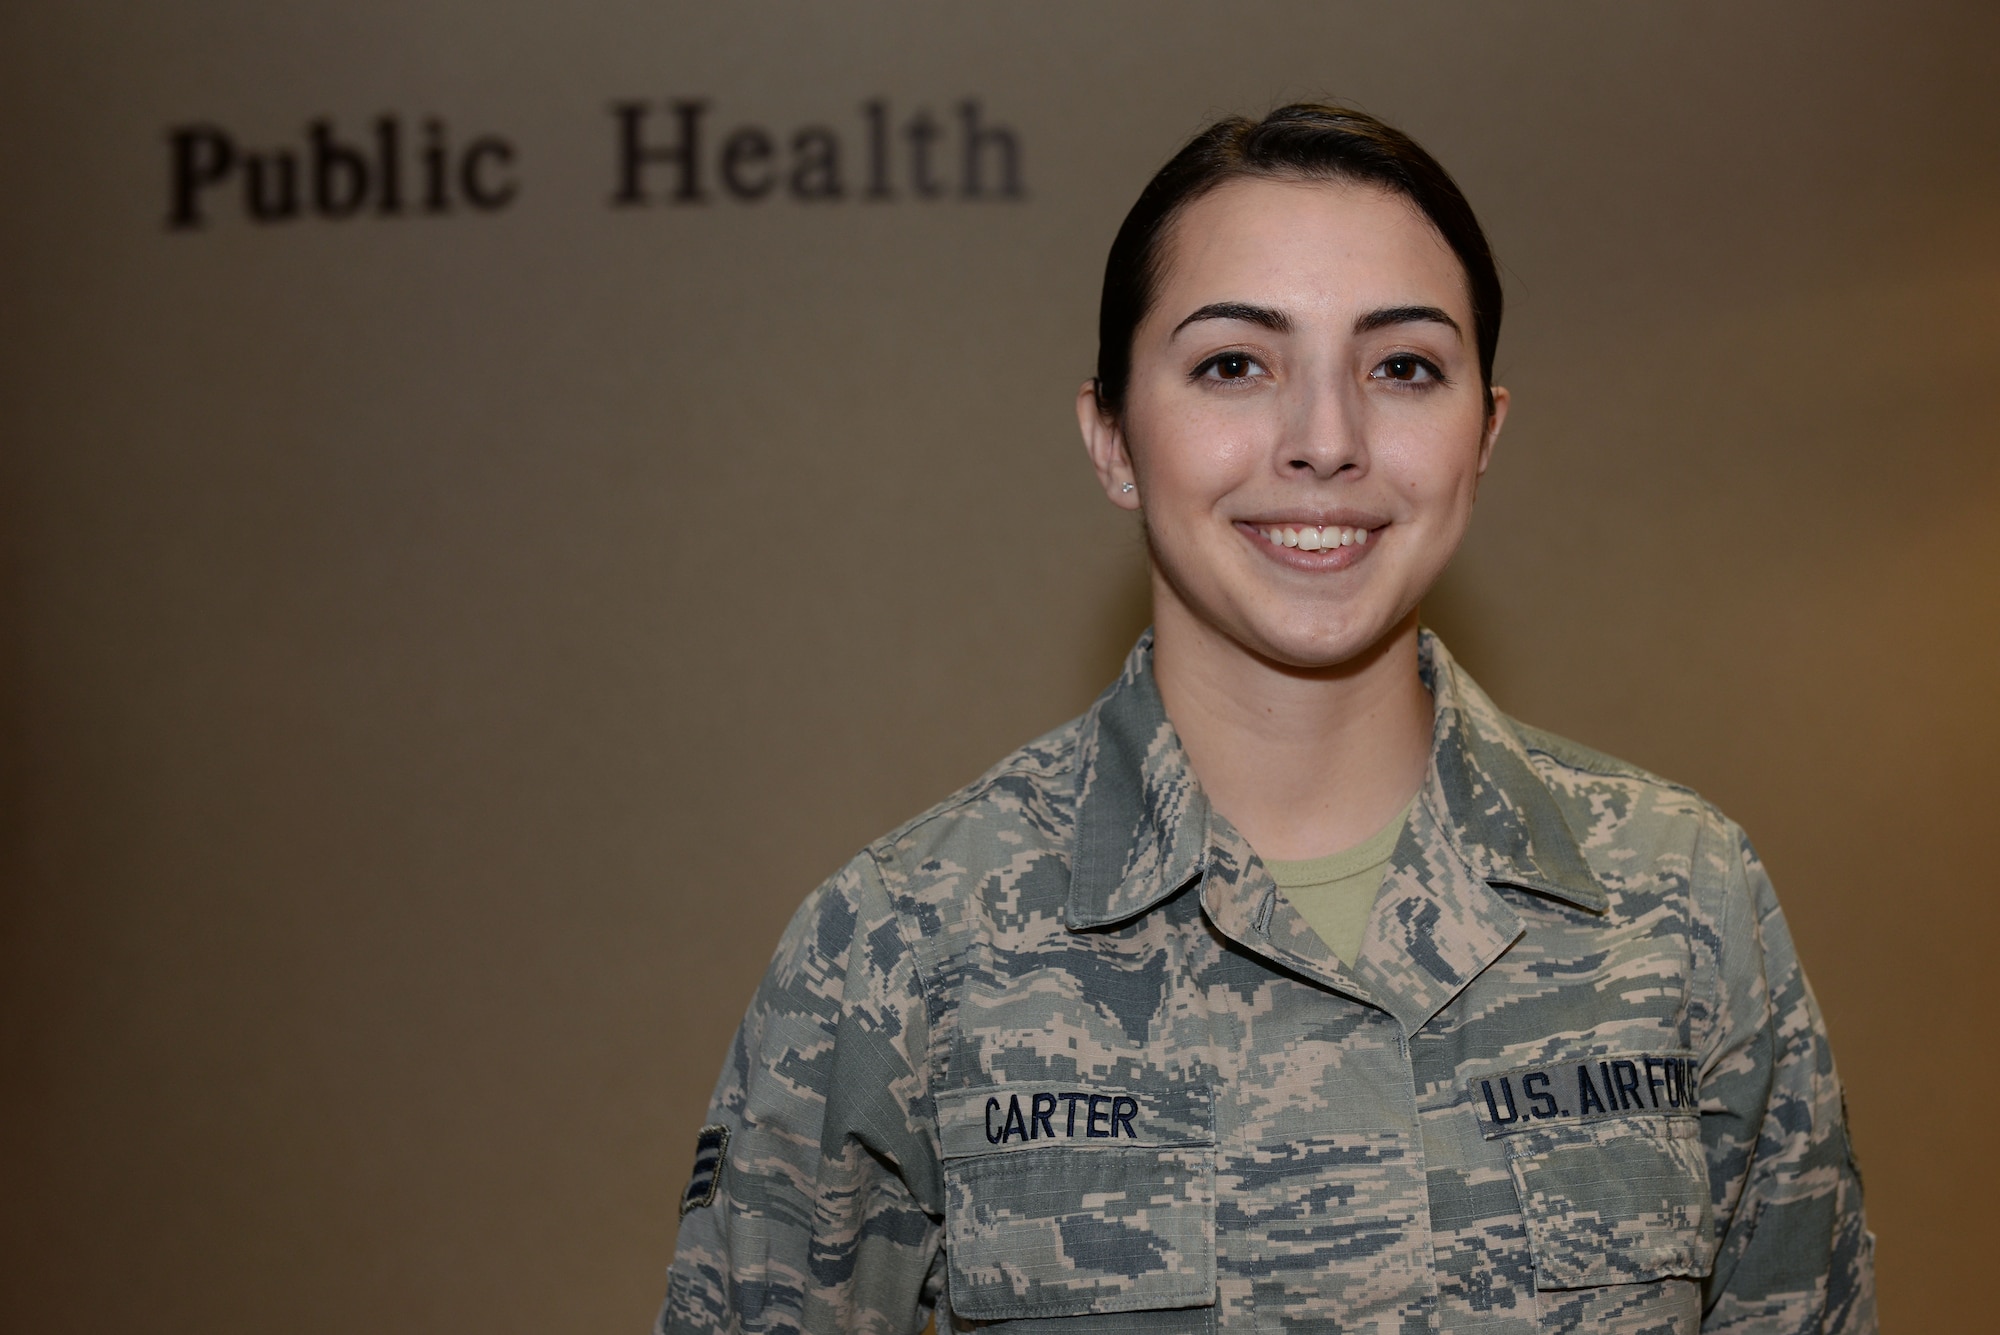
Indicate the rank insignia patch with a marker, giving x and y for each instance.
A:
(709, 1148)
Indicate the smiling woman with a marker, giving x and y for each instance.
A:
(1293, 983)
(1301, 367)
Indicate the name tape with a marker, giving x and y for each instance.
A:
(1620, 1085)
(1077, 1114)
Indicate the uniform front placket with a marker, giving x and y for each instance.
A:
(1347, 1094)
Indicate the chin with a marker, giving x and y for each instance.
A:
(1320, 642)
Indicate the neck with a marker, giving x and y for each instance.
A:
(1303, 762)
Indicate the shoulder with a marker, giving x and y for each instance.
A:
(1027, 800)
(1607, 799)
(1674, 866)
(996, 851)
(910, 892)
(1657, 844)
(1572, 755)
(1648, 840)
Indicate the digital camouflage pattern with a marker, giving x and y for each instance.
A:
(1058, 1054)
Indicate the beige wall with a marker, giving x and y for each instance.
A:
(440, 651)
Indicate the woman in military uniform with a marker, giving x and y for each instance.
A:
(1293, 985)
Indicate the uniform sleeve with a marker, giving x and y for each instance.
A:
(824, 1212)
(1793, 1251)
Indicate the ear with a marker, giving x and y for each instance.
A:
(1104, 442)
(1493, 425)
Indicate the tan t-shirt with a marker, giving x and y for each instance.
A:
(1335, 894)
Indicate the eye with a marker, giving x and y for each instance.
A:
(1407, 368)
(1228, 366)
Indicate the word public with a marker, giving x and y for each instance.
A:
(329, 176)
(671, 153)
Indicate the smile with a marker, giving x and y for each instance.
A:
(1309, 539)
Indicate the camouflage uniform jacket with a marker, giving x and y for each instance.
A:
(1057, 1055)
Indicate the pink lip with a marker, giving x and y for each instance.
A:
(1339, 558)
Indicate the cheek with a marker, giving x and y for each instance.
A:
(1191, 458)
(1439, 470)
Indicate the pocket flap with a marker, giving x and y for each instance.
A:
(1063, 1199)
(1613, 1203)
(1061, 1232)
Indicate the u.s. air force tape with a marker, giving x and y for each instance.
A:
(709, 1148)
(1617, 1085)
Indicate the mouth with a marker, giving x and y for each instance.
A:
(1310, 538)
(1305, 546)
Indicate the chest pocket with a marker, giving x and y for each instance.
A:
(1080, 1200)
(1607, 1162)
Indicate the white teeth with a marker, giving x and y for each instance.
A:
(1311, 539)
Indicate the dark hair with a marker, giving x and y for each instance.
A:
(1304, 141)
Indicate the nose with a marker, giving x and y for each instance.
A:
(1324, 435)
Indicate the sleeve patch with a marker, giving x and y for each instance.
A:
(710, 1148)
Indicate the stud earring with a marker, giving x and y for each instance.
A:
(1126, 487)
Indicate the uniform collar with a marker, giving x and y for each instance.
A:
(1144, 829)
(1141, 820)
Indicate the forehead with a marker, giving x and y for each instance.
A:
(1299, 245)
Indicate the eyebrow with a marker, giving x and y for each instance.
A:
(1388, 315)
(1276, 321)
(1280, 323)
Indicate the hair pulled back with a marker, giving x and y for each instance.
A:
(1301, 142)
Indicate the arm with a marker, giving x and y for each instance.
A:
(1793, 1251)
(827, 1210)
